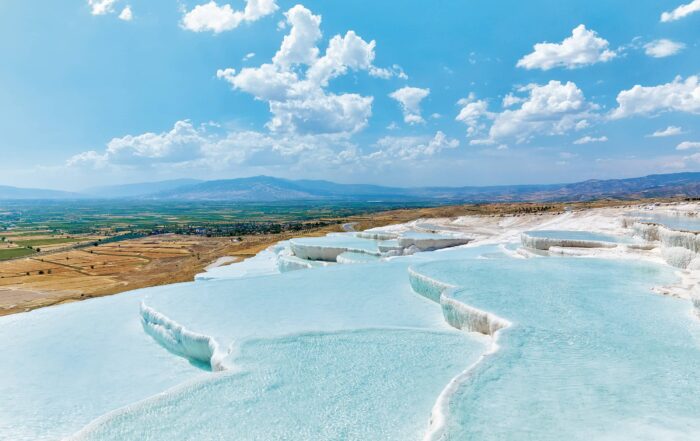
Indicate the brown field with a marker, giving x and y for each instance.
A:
(50, 278)
(59, 277)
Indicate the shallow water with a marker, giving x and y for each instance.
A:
(590, 354)
(674, 222)
(340, 297)
(66, 365)
(351, 352)
(352, 257)
(340, 240)
(578, 235)
(361, 385)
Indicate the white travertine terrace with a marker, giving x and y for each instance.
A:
(545, 243)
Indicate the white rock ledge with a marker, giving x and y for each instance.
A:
(432, 243)
(376, 235)
(545, 243)
(322, 252)
(181, 341)
(678, 248)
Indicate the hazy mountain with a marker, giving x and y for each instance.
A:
(269, 189)
(7, 192)
(139, 189)
(259, 188)
(265, 189)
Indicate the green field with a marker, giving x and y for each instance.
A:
(183, 217)
(10, 253)
(43, 242)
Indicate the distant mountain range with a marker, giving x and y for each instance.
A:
(269, 189)
(7, 192)
(138, 190)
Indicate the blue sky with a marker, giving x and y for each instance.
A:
(400, 93)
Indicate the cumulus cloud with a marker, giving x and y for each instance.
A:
(511, 100)
(203, 148)
(207, 146)
(681, 11)
(410, 98)
(183, 142)
(101, 7)
(299, 45)
(126, 14)
(212, 17)
(412, 147)
(686, 145)
(472, 113)
(583, 48)
(294, 82)
(663, 48)
(679, 95)
(590, 139)
(668, 131)
(554, 108)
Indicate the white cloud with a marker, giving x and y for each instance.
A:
(681, 11)
(385, 73)
(207, 147)
(212, 17)
(583, 48)
(590, 139)
(182, 142)
(299, 45)
(248, 56)
(472, 113)
(256, 9)
(294, 82)
(101, 7)
(679, 95)
(663, 48)
(343, 53)
(189, 147)
(410, 98)
(322, 113)
(126, 14)
(412, 147)
(228, 74)
(511, 100)
(686, 145)
(668, 131)
(550, 109)
(89, 158)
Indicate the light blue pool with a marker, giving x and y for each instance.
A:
(591, 352)
(578, 235)
(685, 223)
(353, 257)
(351, 352)
(341, 240)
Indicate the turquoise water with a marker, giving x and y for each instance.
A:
(591, 353)
(340, 240)
(63, 366)
(362, 385)
(685, 223)
(352, 257)
(577, 235)
(350, 352)
(420, 235)
(330, 299)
